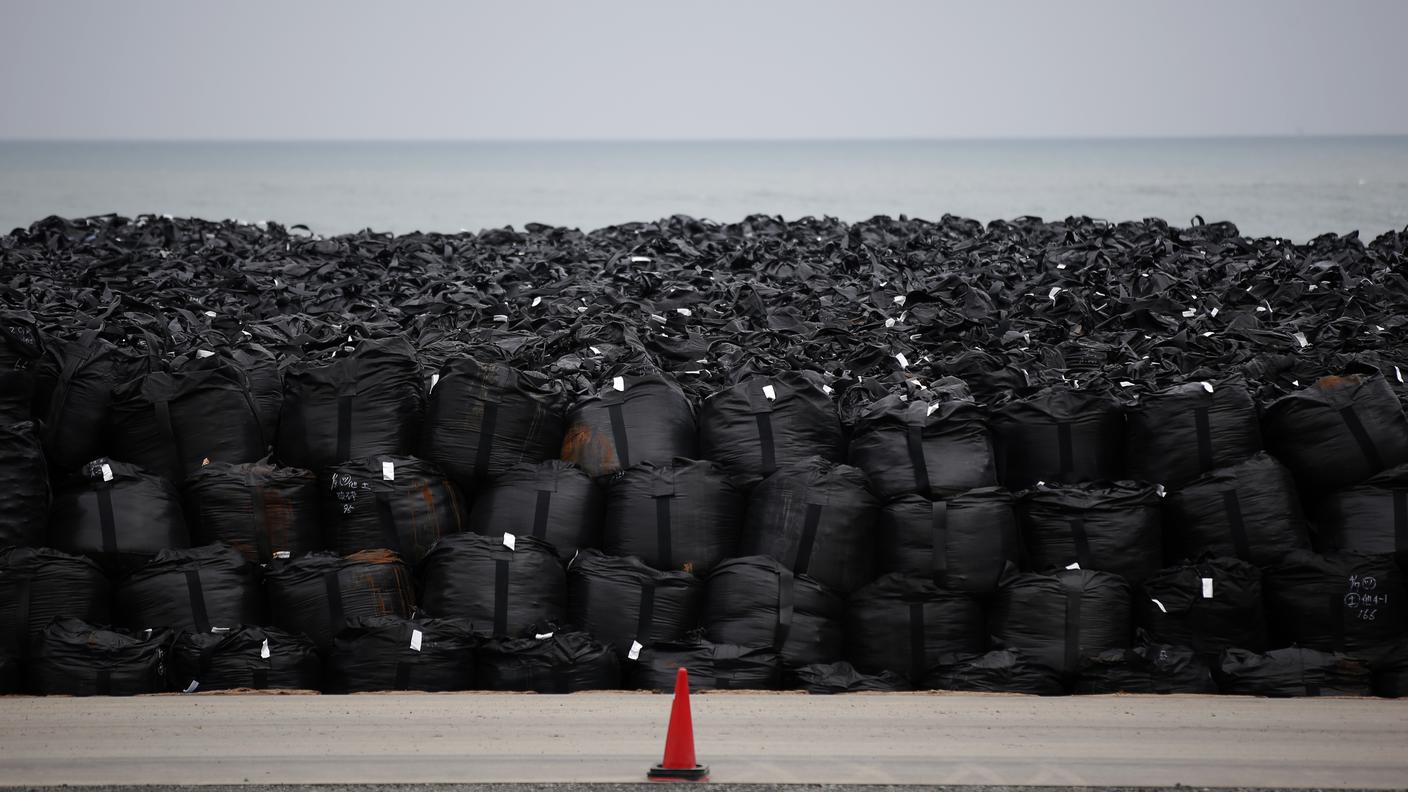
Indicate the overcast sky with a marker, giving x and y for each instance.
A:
(333, 69)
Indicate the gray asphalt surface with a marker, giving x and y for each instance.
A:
(946, 739)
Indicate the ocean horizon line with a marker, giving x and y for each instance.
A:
(1041, 139)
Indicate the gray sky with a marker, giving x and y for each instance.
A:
(332, 69)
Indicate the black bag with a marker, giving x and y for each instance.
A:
(24, 486)
(1370, 518)
(818, 519)
(1339, 431)
(1249, 511)
(169, 423)
(90, 368)
(1058, 618)
(686, 515)
(634, 420)
(500, 586)
(1209, 606)
(258, 658)
(38, 585)
(999, 671)
(554, 501)
(484, 418)
(622, 602)
(558, 662)
(401, 504)
(318, 594)
(763, 423)
(1059, 436)
(1177, 434)
(963, 542)
(11, 677)
(711, 666)
(391, 653)
(756, 601)
(1390, 672)
(1109, 527)
(365, 404)
(1147, 668)
(70, 657)
(256, 508)
(119, 515)
(1339, 602)
(24, 360)
(266, 385)
(937, 449)
(842, 677)
(200, 588)
(1295, 671)
(907, 625)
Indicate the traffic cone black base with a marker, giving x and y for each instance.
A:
(662, 773)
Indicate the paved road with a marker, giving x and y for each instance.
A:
(779, 738)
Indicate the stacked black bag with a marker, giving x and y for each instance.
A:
(261, 510)
(317, 595)
(1112, 527)
(756, 601)
(936, 450)
(764, 423)
(119, 515)
(401, 504)
(499, 586)
(684, 515)
(24, 486)
(392, 653)
(1209, 606)
(38, 585)
(633, 419)
(196, 589)
(910, 626)
(963, 542)
(1248, 510)
(556, 662)
(259, 658)
(1058, 619)
(1059, 435)
(554, 501)
(629, 605)
(74, 658)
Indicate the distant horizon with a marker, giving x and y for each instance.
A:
(740, 139)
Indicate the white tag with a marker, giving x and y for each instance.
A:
(500, 317)
(1060, 266)
(543, 636)
(828, 389)
(204, 353)
(211, 314)
(537, 301)
(899, 299)
(1126, 384)
(1073, 566)
(1214, 311)
(434, 380)
(634, 654)
(1161, 605)
(1207, 386)
(890, 322)
(658, 318)
(510, 541)
(1398, 373)
(1207, 588)
(283, 554)
(1051, 295)
(107, 472)
(770, 392)
(931, 409)
(594, 350)
(415, 640)
(684, 312)
(264, 650)
(1301, 339)
(388, 471)
(619, 383)
(191, 688)
(640, 259)
(1189, 314)
(904, 361)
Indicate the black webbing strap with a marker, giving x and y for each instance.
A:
(785, 606)
(336, 619)
(162, 407)
(1072, 585)
(1233, 507)
(664, 550)
(1204, 430)
(105, 519)
(102, 682)
(1400, 521)
(619, 437)
(540, 514)
(810, 523)
(917, 655)
(344, 427)
(205, 661)
(403, 675)
(1312, 687)
(1081, 540)
(938, 517)
(501, 566)
(386, 518)
(1361, 436)
(197, 594)
(645, 617)
(1066, 450)
(915, 437)
(263, 542)
(761, 407)
(486, 439)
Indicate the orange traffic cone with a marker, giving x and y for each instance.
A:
(679, 764)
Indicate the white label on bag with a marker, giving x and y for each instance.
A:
(1207, 588)
(828, 389)
(1189, 314)
(204, 353)
(283, 554)
(191, 688)
(1051, 295)
(415, 640)
(537, 301)
(904, 361)
(658, 318)
(594, 350)
(890, 322)
(899, 299)
(1126, 384)
(510, 541)
(684, 312)
(1398, 373)
(264, 650)
(1207, 386)
(1214, 311)
(434, 380)
(619, 383)
(1073, 566)
(1301, 339)
(1161, 605)
(640, 259)
(107, 472)
(211, 314)
(931, 409)
(634, 654)
(543, 636)
(500, 317)
(388, 471)
(770, 392)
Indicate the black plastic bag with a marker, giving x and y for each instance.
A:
(632, 420)
(39, 584)
(629, 605)
(70, 657)
(1338, 602)
(1179, 433)
(818, 519)
(1390, 672)
(842, 677)
(365, 404)
(401, 504)
(1249, 511)
(1295, 671)
(119, 515)
(711, 666)
(258, 509)
(24, 360)
(963, 542)
(1109, 527)
(1059, 435)
(90, 368)
(684, 515)
(1060, 617)
(483, 418)
(756, 601)
(1339, 431)
(557, 662)
(199, 588)
(936, 450)
(11, 673)
(318, 594)
(1147, 668)
(999, 671)
(391, 653)
(24, 486)
(500, 586)
(1370, 518)
(764, 423)
(258, 658)
(1210, 606)
(554, 501)
(906, 625)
